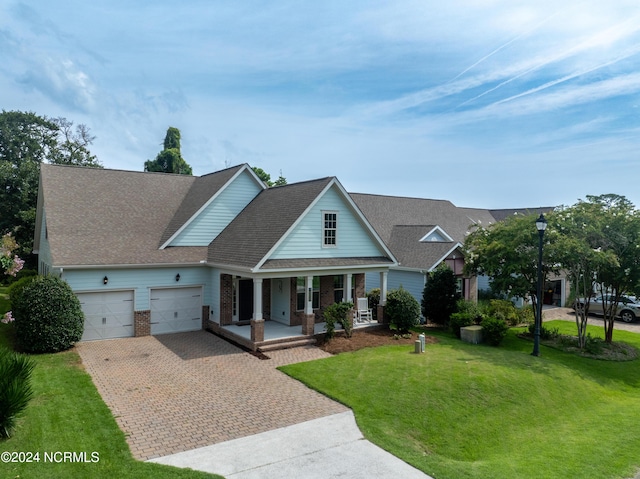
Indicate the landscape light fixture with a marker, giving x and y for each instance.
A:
(541, 225)
(178, 277)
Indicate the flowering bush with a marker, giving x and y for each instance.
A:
(10, 263)
(8, 318)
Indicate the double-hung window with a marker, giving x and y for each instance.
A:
(329, 229)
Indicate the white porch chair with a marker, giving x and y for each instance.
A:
(363, 313)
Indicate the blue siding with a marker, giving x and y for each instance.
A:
(217, 215)
(306, 240)
(44, 254)
(409, 280)
(140, 281)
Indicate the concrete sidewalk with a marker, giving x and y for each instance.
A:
(324, 448)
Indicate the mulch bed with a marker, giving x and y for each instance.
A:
(368, 338)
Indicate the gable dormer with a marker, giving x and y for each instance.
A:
(210, 205)
(436, 235)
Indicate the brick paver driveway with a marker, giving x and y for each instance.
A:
(181, 391)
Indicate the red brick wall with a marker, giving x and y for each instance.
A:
(226, 299)
(142, 323)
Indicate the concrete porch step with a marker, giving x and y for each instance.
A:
(285, 344)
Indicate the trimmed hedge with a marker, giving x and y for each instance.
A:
(48, 316)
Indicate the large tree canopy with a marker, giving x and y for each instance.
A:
(595, 242)
(598, 245)
(169, 160)
(26, 141)
(507, 252)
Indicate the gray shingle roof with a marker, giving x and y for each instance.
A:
(112, 217)
(411, 252)
(252, 234)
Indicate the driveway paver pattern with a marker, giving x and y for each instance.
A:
(177, 392)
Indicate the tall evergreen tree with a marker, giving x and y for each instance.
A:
(169, 160)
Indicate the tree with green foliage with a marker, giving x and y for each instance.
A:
(26, 141)
(507, 252)
(266, 177)
(599, 246)
(440, 295)
(169, 160)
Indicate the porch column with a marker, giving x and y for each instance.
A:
(383, 288)
(257, 323)
(308, 288)
(383, 296)
(309, 320)
(347, 287)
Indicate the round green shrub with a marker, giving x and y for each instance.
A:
(15, 290)
(494, 330)
(48, 316)
(460, 320)
(403, 309)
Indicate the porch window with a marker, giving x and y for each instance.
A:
(300, 293)
(338, 288)
(330, 228)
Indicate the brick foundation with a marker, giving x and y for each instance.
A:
(142, 323)
(257, 330)
(308, 324)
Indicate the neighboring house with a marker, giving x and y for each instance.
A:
(423, 233)
(152, 253)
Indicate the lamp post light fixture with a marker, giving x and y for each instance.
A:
(541, 225)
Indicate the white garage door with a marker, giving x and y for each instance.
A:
(107, 314)
(176, 309)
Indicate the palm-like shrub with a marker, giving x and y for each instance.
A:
(48, 316)
(15, 388)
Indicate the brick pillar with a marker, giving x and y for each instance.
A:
(205, 316)
(142, 323)
(226, 299)
(257, 330)
(381, 318)
(308, 324)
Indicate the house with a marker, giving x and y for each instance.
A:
(423, 233)
(152, 253)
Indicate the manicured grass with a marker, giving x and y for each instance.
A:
(68, 415)
(474, 411)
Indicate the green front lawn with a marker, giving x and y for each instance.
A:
(474, 411)
(68, 415)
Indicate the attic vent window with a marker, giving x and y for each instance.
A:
(330, 228)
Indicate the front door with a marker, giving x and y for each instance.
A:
(245, 299)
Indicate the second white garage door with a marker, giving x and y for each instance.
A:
(175, 310)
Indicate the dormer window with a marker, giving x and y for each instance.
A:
(329, 229)
(436, 235)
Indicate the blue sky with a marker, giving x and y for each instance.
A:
(487, 103)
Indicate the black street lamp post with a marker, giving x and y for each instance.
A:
(541, 225)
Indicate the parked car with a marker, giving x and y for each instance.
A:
(628, 307)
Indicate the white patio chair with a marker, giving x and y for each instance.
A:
(363, 312)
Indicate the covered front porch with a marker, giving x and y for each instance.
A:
(281, 311)
(279, 336)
